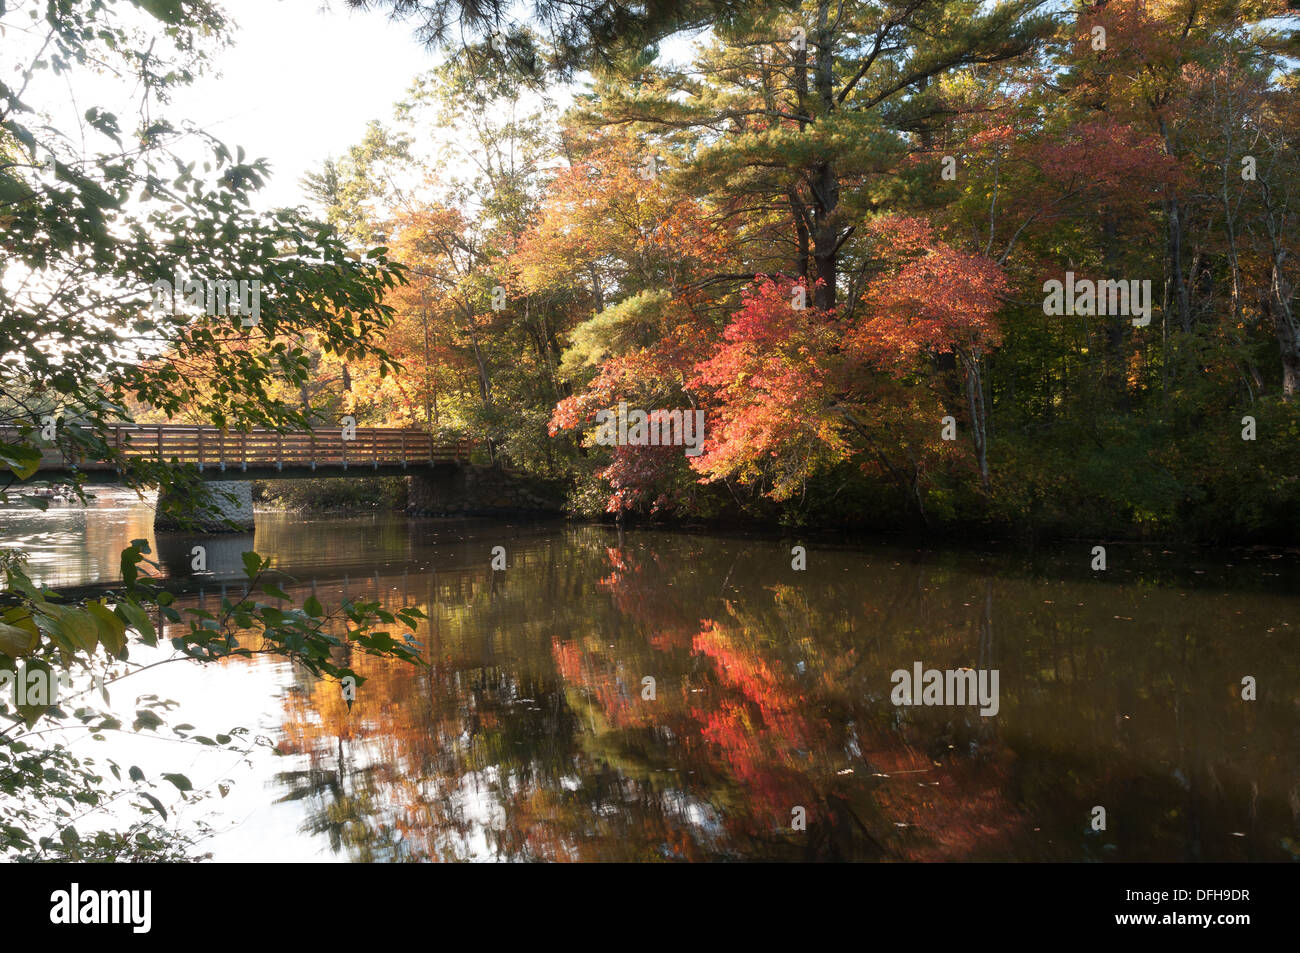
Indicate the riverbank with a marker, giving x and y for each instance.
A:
(353, 495)
(857, 514)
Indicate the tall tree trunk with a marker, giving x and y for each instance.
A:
(597, 293)
(824, 181)
(1281, 292)
(978, 418)
(1116, 369)
(1285, 326)
(430, 377)
(484, 381)
(797, 207)
(800, 235)
(1175, 244)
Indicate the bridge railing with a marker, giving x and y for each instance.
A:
(210, 447)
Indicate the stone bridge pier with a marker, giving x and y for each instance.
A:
(231, 500)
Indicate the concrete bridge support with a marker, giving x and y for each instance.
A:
(228, 500)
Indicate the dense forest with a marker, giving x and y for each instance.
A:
(989, 267)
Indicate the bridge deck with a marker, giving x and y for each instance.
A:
(264, 451)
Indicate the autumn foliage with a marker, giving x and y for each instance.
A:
(843, 267)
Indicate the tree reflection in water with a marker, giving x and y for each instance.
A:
(527, 736)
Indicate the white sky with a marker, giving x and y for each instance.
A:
(300, 84)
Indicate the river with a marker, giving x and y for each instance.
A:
(651, 695)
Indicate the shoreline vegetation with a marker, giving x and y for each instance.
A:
(335, 495)
(390, 494)
(913, 290)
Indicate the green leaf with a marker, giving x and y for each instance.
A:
(137, 619)
(131, 558)
(16, 641)
(155, 802)
(82, 628)
(112, 630)
(33, 712)
(252, 564)
(145, 719)
(181, 781)
(21, 461)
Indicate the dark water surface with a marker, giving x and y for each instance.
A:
(528, 735)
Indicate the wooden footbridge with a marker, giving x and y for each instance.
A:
(259, 454)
